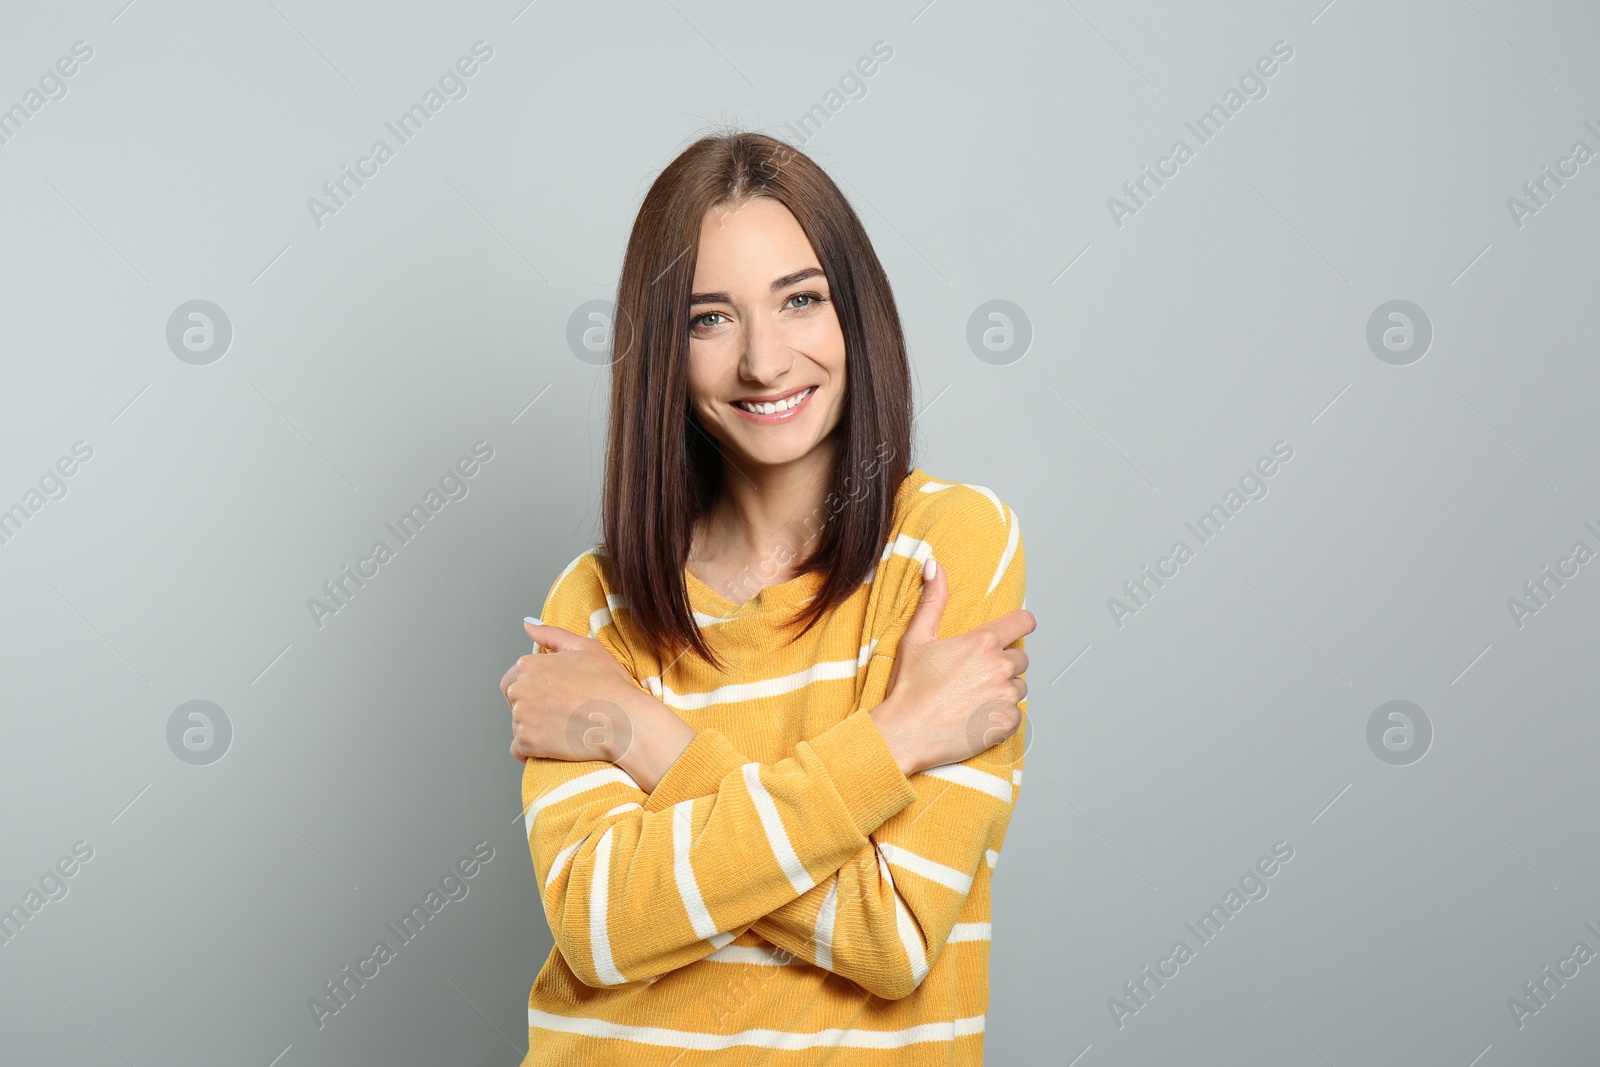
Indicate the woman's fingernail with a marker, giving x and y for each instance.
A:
(530, 618)
(929, 569)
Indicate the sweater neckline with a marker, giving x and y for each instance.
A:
(711, 602)
(796, 590)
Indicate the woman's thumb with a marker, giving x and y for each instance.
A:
(552, 637)
(924, 624)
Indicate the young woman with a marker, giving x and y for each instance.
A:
(773, 741)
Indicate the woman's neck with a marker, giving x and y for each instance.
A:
(764, 523)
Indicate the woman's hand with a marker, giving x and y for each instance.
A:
(581, 704)
(570, 705)
(951, 698)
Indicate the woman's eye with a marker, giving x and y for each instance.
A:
(807, 300)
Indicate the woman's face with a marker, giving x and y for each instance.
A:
(763, 327)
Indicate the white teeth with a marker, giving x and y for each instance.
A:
(777, 406)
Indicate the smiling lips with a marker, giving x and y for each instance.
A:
(778, 410)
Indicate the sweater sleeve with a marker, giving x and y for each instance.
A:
(632, 890)
(884, 915)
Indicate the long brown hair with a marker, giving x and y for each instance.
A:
(663, 470)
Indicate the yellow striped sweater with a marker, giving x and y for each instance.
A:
(785, 895)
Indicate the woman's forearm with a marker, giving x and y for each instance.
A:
(899, 733)
(656, 738)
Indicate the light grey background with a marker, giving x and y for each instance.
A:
(1168, 354)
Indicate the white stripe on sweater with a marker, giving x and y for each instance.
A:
(561, 859)
(581, 784)
(757, 954)
(777, 836)
(600, 618)
(970, 932)
(921, 865)
(910, 939)
(1005, 557)
(566, 854)
(1007, 518)
(972, 778)
(914, 548)
(931, 486)
(683, 872)
(827, 670)
(823, 938)
(599, 935)
(789, 1040)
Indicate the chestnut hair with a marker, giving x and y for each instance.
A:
(663, 470)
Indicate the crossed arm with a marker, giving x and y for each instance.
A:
(831, 854)
(881, 930)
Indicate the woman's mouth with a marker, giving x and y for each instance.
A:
(777, 410)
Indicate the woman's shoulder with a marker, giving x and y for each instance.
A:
(929, 505)
(590, 571)
(971, 531)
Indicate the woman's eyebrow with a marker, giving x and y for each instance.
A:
(781, 283)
